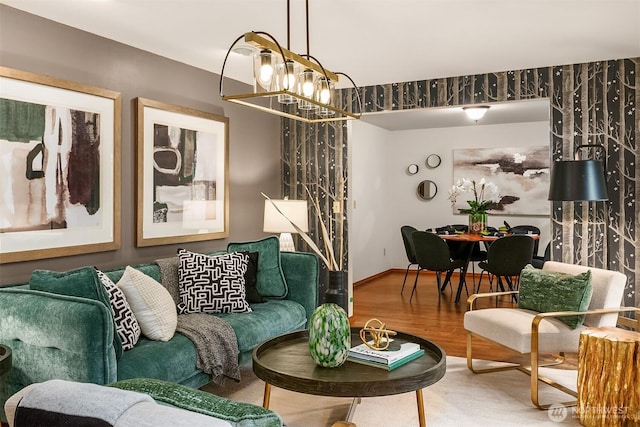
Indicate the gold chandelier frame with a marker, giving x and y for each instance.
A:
(267, 101)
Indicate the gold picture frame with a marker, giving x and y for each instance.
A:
(60, 141)
(182, 174)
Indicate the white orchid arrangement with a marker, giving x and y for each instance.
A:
(485, 194)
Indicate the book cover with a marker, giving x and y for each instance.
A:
(394, 353)
(388, 367)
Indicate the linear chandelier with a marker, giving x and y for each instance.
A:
(288, 84)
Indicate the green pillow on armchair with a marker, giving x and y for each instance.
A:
(551, 291)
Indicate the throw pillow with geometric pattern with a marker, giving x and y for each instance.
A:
(212, 284)
(127, 326)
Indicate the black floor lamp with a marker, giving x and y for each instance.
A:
(580, 180)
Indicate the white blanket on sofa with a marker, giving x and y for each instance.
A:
(71, 404)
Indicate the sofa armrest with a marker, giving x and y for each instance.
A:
(55, 336)
(301, 271)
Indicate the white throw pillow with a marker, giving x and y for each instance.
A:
(127, 326)
(151, 303)
(212, 284)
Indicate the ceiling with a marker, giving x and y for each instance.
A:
(374, 41)
(427, 118)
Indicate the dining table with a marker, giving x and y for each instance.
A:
(471, 239)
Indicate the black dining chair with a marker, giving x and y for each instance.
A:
(526, 229)
(406, 231)
(506, 257)
(538, 261)
(432, 253)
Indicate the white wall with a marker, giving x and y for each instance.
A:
(383, 194)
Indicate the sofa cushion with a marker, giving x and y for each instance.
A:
(151, 304)
(127, 326)
(238, 414)
(212, 284)
(270, 280)
(80, 282)
(173, 360)
(551, 291)
(251, 278)
(267, 320)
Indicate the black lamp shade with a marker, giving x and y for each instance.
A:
(578, 180)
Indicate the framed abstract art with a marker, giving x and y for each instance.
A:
(521, 174)
(60, 160)
(182, 174)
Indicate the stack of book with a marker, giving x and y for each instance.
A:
(394, 357)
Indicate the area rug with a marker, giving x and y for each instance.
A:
(459, 399)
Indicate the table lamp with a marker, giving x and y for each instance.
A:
(276, 222)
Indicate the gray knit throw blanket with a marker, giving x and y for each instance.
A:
(215, 341)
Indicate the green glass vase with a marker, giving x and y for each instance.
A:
(477, 222)
(329, 335)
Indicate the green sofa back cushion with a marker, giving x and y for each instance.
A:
(81, 282)
(550, 291)
(236, 413)
(270, 279)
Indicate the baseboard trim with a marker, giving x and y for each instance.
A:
(384, 273)
(370, 278)
(395, 270)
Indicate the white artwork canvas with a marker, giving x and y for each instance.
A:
(521, 174)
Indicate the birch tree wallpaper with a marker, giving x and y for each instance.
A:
(591, 103)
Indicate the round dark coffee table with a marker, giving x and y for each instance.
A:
(285, 362)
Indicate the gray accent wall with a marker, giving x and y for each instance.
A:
(41, 46)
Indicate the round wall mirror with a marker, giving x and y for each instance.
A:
(427, 190)
(412, 169)
(433, 161)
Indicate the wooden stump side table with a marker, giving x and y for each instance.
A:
(609, 377)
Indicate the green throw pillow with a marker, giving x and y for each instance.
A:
(81, 282)
(235, 413)
(550, 291)
(270, 279)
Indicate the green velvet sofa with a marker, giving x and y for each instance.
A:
(72, 338)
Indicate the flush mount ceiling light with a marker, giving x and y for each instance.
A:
(477, 112)
(291, 85)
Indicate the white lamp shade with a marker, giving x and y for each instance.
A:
(294, 210)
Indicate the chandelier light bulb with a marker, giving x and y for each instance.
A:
(325, 92)
(307, 83)
(289, 76)
(266, 66)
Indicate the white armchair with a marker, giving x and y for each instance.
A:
(533, 333)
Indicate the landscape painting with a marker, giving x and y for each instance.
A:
(521, 174)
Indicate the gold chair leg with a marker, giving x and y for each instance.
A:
(534, 372)
(505, 367)
(531, 370)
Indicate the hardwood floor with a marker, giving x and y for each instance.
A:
(441, 322)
